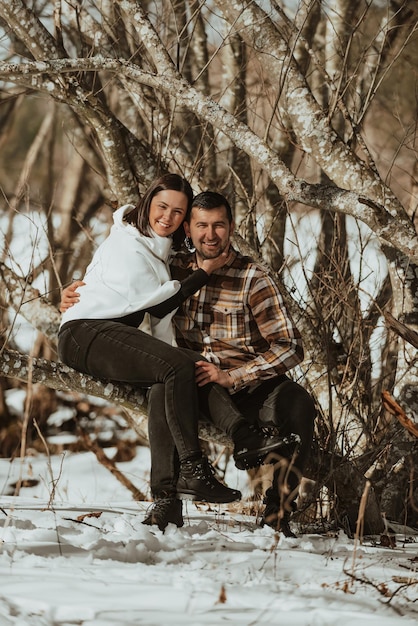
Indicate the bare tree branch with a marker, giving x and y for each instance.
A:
(61, 377)
(410, 335)
(41, 45)
(396, 232)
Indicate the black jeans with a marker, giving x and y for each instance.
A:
(117, 352)
(277, 402)
(287, 406)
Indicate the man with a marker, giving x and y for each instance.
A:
(239, 323)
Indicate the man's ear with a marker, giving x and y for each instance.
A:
(231, 228)
(186, 229)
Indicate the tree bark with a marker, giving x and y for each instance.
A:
(396, 231)
(61, 377)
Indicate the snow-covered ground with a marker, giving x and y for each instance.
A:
(73, 551)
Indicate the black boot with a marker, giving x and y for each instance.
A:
(252, 446)
(197, 482)
(276, 516)
(166, 509)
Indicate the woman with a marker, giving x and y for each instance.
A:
(128, 277)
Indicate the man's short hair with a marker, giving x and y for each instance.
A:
(208, 200)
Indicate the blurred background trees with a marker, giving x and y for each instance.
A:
(304, 113)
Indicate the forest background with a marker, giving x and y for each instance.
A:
(305, 115)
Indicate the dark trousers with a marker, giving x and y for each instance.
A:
(277, 402)
(116, 352)
(283, 404)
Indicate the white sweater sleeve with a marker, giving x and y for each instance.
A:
(122, 277)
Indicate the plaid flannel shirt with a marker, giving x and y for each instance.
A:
(238, 321)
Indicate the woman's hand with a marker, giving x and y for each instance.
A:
(70, 296)
(210, 265)
(210, 373)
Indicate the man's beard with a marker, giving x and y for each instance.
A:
(204, 256)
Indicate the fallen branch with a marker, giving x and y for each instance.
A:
(101, 456)
(393, 407)
(402, 330)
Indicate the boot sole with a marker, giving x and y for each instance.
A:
(251, 459)
(193, 495)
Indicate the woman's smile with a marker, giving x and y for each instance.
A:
(167, 211)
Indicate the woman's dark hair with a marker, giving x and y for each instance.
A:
(139, 216)
(208, 200)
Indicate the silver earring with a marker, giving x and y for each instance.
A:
(189, 244)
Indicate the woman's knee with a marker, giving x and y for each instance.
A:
(182, 368)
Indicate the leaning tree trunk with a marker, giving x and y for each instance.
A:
(399, 495)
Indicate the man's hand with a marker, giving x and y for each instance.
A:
(70, 296)
(210, 373)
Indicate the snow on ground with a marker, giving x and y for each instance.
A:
(73, 551)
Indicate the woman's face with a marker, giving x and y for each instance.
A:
(167, 211)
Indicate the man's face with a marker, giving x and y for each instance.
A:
(210, 231)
